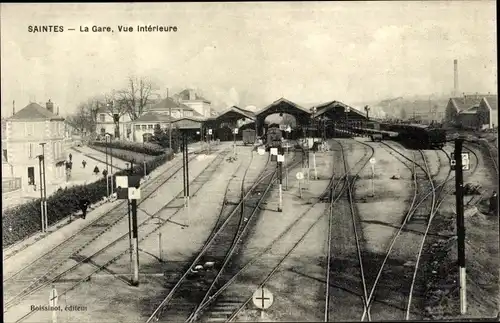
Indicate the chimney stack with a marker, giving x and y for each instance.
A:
(50, 106)
(57, 110)
(455, 78)
(13, 107)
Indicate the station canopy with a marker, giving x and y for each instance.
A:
(189, 122)
(336, 109)
(235, 113)
(283, 106)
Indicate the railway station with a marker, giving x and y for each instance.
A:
(257, 166)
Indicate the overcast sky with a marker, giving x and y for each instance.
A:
(250, 53)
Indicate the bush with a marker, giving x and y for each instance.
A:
(127, 155)
(24, 220)
(146, 148)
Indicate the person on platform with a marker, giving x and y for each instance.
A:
(104, 173)
(84, 163)
(84, 204)
(96, 170)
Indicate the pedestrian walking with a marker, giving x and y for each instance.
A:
(70, 157)
(84, 163)
(96, 170)
(84, 204)
(493, 203)
(104, 173)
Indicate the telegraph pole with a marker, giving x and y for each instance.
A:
(107, 178)
(129, 220)
(280, 175)
(169, 123)
(42, 216)
(135, 241)
(459, 195)
(44, 188)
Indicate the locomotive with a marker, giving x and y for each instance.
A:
(274, 138)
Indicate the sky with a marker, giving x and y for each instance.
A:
(249, 53)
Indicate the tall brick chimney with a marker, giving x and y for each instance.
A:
(455, 77)
(50, 106)
(13, 107)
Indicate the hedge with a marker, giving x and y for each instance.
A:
(143, 148)
(127, 155)
(23, 220)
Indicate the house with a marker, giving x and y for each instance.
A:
(105, 123)
(145, 124)
(171, 105)
(468, 118)
(162, 113)
(457, 104)
(25, 131)
(488, 112)
(195, 101)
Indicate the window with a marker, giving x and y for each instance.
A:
(102, 117)
(137, 127)
(144, 127)
(150, 126)
(188, 113)
(30, 151)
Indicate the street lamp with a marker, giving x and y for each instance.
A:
(144, 155)
(108, 136)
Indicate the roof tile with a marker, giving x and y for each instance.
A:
(34, 111)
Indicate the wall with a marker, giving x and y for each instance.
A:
(23, 145)
(109, 125)
(487, 117)
(199, 106)
(468, 120)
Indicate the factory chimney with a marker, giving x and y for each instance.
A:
(455, 78)
(13, 107)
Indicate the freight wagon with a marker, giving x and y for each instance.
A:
(248, 136)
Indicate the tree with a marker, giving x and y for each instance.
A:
(135, 97)
(85, 118)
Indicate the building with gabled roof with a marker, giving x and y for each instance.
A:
(466, 111)
(195, 101)
(488, 112)
(24, 132)
(145, 124)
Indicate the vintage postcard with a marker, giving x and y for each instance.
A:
(249, 161)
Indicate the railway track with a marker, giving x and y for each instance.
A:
(148, 189)
(181, 302)
(228, 302)
(332, 257)
(105, 256)
(428, 198)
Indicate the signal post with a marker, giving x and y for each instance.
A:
(459, 164)
(128, 188)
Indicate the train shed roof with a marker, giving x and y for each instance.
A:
(337, 108)
(282, 105)
(235, 112)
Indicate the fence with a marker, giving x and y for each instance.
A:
(11, 184)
